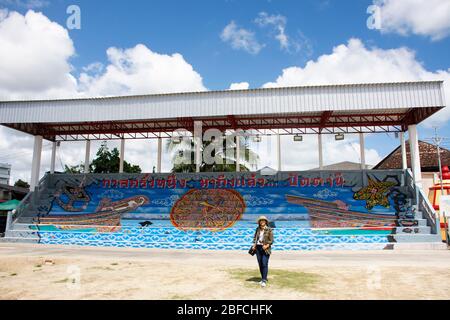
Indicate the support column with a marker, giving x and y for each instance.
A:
(36, 164)
(403, 148)
(319, 138)
(198, 144)
(362, 151)
(159, 160)
(87, 155)
(415, 155)
(53, 158)
(279, 152)
(238, 152)
(122, 154)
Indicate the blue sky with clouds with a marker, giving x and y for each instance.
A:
(252, 43)
(193, 29)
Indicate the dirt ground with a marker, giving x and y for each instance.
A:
(55, 272)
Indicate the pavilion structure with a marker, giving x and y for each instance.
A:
(318, 110)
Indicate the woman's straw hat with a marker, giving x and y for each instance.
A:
(263, 218)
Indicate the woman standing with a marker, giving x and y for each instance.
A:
(262, 242)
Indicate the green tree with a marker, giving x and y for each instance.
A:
(74, 169)
(22, 184)
(108, 161)
(185, 149)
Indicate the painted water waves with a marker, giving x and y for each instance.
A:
(351, 202)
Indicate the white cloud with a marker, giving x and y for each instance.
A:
(94, 68)
(426, 18)
(34, 57)
(354, 63)
(241, 39)
(279, 23)
(239, 86)
(139, 70)
(291, 44)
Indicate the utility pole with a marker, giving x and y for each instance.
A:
(437, 141)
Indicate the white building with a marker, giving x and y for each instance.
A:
(5, 173)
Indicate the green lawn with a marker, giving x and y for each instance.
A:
(278, 278)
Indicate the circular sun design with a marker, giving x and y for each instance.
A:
(207, 209)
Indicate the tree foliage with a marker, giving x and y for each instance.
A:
(22, 184)
(183, 156)
(106, 161)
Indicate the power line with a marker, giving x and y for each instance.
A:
(19, 154)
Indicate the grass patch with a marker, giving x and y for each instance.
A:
(114, 264)
(13, 274)
(278, 278)
(62, 281)
(38, 266)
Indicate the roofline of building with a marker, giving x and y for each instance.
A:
(211, 92)
(395, 150)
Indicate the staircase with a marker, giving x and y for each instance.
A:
(420, 232)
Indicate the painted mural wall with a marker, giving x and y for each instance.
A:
(208, 209)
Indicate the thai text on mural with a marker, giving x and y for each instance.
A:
(220, 181)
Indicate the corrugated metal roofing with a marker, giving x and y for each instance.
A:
(377, 97)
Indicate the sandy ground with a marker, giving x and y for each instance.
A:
(54, 272)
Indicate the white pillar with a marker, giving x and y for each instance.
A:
(87, 155)
(198, 144)
(159, 160)
(362, 151)
(403, 148)
(36, 164)
(122, 154)
(415, 155)
(238, 152)
(53, 158)
(319, 138)
(279, 152)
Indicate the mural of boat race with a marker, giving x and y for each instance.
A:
(207, 208)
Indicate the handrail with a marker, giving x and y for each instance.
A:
(21, 207)
(424, 205)
(28, 199)
(446, 229)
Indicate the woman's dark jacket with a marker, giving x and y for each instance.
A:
(267, 239)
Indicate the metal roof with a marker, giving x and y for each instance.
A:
(307, 107)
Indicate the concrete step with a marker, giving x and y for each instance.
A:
(21, 226)
(420, 246)
(409, 238)
(412, 223)
(19, 240)
(413, 230)
(24, 234)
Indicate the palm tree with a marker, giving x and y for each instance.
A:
(181, 150)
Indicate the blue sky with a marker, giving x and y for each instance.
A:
(195, 30)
